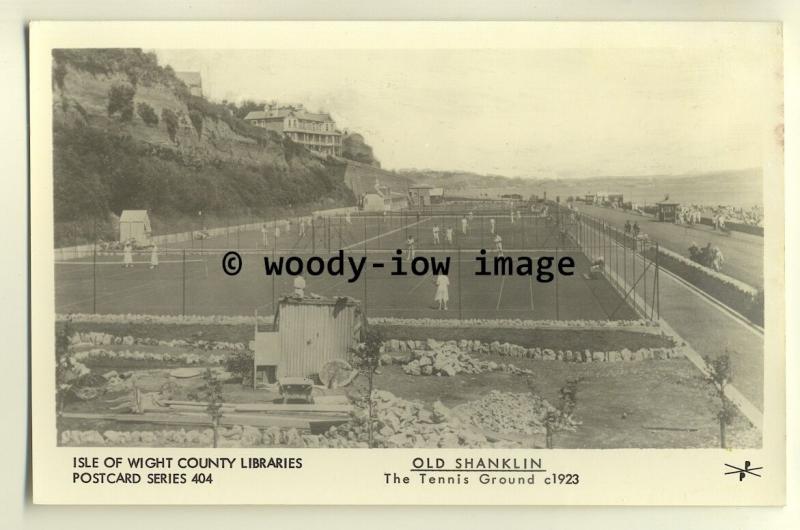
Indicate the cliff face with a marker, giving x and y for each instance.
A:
(128, 135)
(84, 100)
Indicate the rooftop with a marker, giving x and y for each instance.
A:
(133, 215)
(190, 78)
(280, 113)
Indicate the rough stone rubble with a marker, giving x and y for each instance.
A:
(97, 338)
(398, 423)
(430, 346)
(447, 359)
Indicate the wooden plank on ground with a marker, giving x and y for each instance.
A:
(199, 419)
(264, 407)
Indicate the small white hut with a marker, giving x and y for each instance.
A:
(135, 224)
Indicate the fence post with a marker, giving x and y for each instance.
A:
(644, 275)
(366, 269)
(94, 268)
(556, 286)
(658, 285)
(625, 262)
(460, 313)
(634, 274)
(183, 289)
(273, 277)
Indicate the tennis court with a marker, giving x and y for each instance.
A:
(189, 278)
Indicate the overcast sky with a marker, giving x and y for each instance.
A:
(540, 113)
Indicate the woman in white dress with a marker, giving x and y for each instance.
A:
(442, 291)
(154, 257)
(127, 256)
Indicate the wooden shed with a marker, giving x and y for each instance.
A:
(309, 332)
(419, 196)
(135, 224)
(666, 211)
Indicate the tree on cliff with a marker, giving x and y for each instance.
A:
(354, 148)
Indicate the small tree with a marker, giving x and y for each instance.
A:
(561, 418)
(197, 121)
(59, 74)
(120, 100)
(170, 119)
(720, 375)
(64, 375)
(211, 393)
(366, 358)
(148, 115)
(241, 364)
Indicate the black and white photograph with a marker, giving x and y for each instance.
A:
(494, 246)
(166, 160)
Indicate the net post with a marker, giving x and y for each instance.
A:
(482, 230)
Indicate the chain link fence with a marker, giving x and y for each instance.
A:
(184, 276)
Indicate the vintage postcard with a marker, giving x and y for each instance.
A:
(407, 263)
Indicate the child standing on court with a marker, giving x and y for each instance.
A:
(127, 255)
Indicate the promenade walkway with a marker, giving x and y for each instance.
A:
(709, 327)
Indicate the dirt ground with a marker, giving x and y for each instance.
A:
(643, 404)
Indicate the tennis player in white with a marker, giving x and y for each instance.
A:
(498, 244)
(442, 291)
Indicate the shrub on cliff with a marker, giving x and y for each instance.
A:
(147, 114)
(120, 101)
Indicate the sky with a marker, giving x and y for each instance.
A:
(545, 113)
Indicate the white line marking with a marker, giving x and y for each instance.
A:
(385, 234)
(500, 294)
(424, 278)
(530, 281)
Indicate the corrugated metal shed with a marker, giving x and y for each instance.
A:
(314, 331)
